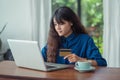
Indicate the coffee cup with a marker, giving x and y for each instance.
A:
(82, 65)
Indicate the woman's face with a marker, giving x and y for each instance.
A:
(63, 29)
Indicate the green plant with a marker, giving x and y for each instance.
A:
(92, 17)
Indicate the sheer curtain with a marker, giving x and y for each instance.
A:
(112, 32)
(41, 13)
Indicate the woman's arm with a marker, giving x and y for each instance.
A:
(75, 58)
(92, 55)
(44, 50)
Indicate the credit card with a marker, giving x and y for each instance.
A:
(65, 52)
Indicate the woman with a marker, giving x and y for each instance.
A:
(67, 32)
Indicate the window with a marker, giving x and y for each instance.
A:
(91, 15)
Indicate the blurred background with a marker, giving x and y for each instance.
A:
(29, 20)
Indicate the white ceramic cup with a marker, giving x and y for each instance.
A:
(83, 65)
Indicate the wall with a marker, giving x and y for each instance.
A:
(16, 13)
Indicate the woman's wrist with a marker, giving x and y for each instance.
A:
(92, 62)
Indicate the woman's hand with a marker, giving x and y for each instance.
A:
(74, 58)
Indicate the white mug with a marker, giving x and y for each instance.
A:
(83, 65)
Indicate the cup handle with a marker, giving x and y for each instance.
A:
(76, 64)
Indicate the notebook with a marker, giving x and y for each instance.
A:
(27, 54)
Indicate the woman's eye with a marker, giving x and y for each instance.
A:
(55, 24)
(61, 23)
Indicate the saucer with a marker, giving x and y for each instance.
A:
(85, 70)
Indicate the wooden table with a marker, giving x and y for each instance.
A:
(9, 71)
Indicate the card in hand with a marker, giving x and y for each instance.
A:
(65, 52)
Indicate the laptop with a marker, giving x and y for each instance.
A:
(27, 54)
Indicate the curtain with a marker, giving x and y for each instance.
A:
(111, 37)
(41, 14)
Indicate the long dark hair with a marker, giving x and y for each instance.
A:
(53, 43)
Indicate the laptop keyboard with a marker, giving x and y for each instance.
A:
(54, 65)
(48, 66)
